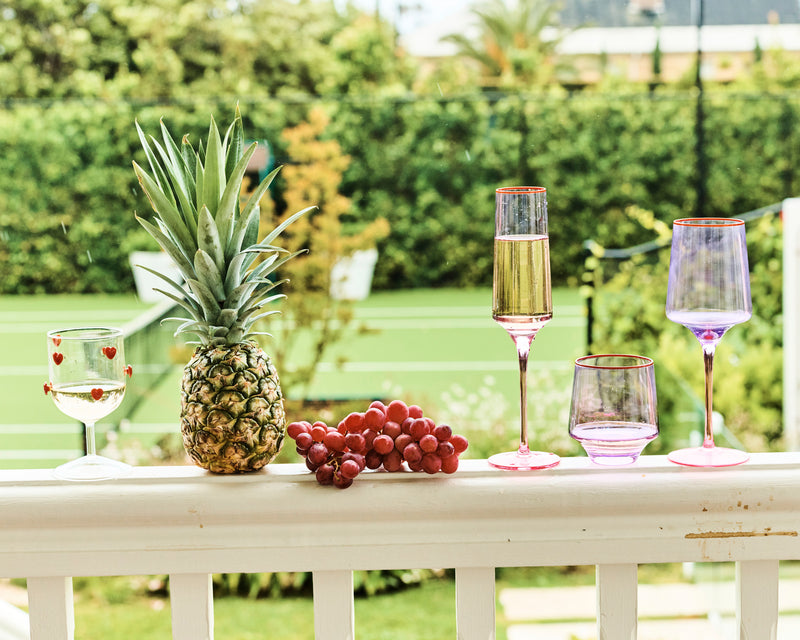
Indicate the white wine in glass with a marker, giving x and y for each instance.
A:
(522, 300)
(87, 382)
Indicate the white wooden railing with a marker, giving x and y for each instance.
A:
(189, 524)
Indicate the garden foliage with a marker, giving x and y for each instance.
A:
(427, 166)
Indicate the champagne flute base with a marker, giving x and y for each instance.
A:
(91, 468)
(524, 461)
(708, 457)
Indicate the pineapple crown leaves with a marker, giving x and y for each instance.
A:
(200, 223)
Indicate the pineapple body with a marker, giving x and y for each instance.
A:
(232, 415)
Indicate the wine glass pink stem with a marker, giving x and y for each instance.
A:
(708, 362)
(523, 343)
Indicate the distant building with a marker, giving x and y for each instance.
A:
(619, 37)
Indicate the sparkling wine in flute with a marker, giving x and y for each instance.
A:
(521, 297)
(522, 289)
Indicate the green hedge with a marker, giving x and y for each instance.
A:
(430, 167)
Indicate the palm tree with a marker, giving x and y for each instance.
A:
(515, 44)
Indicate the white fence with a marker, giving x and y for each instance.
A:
(184, 522)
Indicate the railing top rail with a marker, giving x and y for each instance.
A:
(181, 519)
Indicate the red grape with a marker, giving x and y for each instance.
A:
(397, 411)
(428, 443)
(374, 418)
(412, 453)
(414, 411)
(419, 428)
(335, 441)
(304, 440)
(450, 464)
(325, 474)
(356, 457)
(318, 454)
(355, 442)
(377, 404)
(442, 432)
(402, 441)
(354, 422)
(340, 481)
(318, 432)
(459, 443)
(445, 450)
(406, 425)
(373, 459)
(383, 444)
(349, 469)
(393, 461)
(392, 429)
(369, 437)
(296, 428)
(431, 463)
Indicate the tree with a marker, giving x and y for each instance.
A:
(514, 46)
(163, 49)
(313, 178)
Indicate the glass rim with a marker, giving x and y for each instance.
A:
(643, 361)
(519, 190)
(96, 333)
(708, 222)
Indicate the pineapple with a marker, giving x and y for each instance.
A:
(232, 416)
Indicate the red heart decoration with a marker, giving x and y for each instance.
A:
(97, 393)
(47, 388)
(56, 339)
(58, 358)
(129, 371)
(109, 352)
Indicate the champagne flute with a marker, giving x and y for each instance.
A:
(613, 410)
(87, 382)
(522, 299)
(708, 293)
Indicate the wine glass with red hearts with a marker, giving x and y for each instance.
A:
(87, 382)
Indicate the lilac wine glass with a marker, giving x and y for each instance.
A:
(708, 293)
(613, 411)
(521, 297)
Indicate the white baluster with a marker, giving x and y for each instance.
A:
(757, 599)
(334, 614)
(617, 587)
(475, 603)
(192, 601)
(52, 613)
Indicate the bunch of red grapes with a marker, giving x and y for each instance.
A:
(383, 436)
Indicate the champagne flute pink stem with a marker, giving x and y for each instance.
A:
(523, 349)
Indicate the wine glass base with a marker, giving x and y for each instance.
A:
(614, 461)
(708, 457)
(91, 468)
(516, 461)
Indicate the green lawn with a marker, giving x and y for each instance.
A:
(423, 344)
